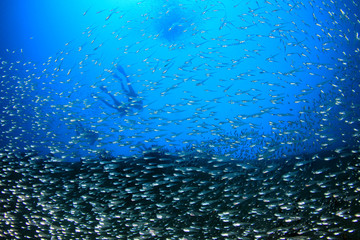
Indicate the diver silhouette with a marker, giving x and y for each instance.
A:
(133, 99)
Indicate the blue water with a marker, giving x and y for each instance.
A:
(242, 80)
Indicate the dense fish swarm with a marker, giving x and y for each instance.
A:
(160, 196)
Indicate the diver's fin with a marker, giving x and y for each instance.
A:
(121, 70)
(104, 89)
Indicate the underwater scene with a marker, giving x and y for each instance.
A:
(169, 119)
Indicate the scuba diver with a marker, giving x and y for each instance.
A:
(133, 99)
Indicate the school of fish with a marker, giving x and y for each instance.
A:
(248, 126)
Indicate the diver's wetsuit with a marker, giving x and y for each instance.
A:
(133, 97)
(120, 107)
(134, 100)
